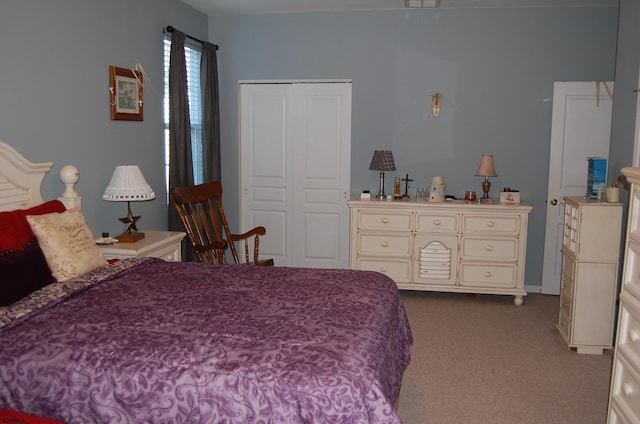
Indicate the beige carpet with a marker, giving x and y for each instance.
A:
(485, 360)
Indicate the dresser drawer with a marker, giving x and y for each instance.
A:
(437, 223)
(625, 390)
(398, 245)
(398, 270)
(385, 221)
(568, 266)
(629, 329)
(566, 297)
(631, 277)
(564, 326)
(503, 249)
(488, 275)
(490, 224)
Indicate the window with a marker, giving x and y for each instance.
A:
(192, 59)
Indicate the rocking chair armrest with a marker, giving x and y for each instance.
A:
(257, 231)
(218, 244)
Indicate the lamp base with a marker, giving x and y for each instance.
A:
(486, 186)
(131, 237)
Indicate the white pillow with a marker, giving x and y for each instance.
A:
(67, 243)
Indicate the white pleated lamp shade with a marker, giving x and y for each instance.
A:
(128, 184)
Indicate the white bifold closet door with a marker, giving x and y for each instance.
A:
(295, 159)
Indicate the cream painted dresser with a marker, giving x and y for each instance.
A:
(455, 246)
(624, 399)
(589, 281)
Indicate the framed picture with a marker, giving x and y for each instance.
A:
(125, 91)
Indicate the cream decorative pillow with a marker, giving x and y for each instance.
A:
(67, 243)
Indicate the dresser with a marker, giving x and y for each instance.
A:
(456, 246)
(624, 398)
(590, 259)
(156, 244)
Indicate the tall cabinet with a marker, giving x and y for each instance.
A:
(624, 399)
(590, 258)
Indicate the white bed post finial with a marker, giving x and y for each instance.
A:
(69, 175)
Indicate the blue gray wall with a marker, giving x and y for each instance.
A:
(623, 120)
(54, 98)
(495, 67)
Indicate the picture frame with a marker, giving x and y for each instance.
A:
(125, 94)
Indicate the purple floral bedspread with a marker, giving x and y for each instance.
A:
(160, 342)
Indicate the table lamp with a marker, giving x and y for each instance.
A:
(486, 170)
(382, 161)
(128, 185)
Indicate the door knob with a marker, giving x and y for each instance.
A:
(553, 202)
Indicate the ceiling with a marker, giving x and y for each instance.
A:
(254, 7)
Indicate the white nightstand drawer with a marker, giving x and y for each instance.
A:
(386, 221)
(489, 249)
(491, 224)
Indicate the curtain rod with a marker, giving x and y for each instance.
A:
(170, 29)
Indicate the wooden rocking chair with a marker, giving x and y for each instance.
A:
(200, 211)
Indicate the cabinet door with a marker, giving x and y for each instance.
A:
(594, 304)
(599, 232)
(435, 259)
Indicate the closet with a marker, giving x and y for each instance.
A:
(295, 160)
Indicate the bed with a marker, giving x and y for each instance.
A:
(144, 340)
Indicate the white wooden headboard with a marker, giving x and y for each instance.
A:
(20, 179)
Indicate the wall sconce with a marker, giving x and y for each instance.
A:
(435, 105)
(382, 161)
(486, 170)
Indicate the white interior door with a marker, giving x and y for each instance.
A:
(295, 170)
(580, 128)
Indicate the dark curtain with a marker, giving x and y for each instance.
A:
(180, 159)
(210, 112)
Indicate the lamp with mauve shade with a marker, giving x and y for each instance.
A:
(486, 170)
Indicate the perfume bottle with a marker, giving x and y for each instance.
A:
(396, 188)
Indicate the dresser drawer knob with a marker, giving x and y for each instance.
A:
(488, 248)
(384, 244)
(436, 222)
(491, 224)
(627, 389)
(487, 274)
(385, 220)
(634, 336)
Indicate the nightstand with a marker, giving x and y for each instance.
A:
(155, 244)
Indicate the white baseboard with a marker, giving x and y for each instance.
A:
(533, 289)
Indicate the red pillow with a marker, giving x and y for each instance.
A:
(23, 272)
(15, 231)
(10, 416)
